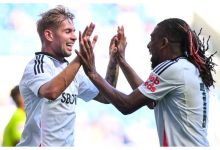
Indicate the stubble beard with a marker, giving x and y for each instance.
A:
(154, 63)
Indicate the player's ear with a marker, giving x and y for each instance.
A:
(165, 41)
(48, 35)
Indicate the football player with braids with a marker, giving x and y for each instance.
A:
(177, 87)
(193, 47)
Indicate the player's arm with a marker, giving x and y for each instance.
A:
(124, 103)
(52, 89)
(131, 76)
(112, 69)
(133, 79)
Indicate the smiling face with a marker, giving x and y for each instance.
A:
(63, 39)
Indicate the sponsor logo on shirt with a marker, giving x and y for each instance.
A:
(68, 98)
(151, 82)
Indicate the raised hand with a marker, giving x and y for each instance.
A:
(113, 46)
(121, 42)
(87, 33)
(86, 54)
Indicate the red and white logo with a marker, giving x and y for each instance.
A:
(151, 82)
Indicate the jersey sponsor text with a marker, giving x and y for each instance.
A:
(68, 98)
(151, 81)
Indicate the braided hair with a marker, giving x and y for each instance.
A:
(177, 30)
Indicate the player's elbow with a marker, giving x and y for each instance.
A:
(50, 94)
(125, 109)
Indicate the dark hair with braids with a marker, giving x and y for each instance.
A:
(177, 30)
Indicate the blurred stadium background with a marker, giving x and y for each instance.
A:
(98, 124)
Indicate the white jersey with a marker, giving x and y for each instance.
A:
(182, 103)
(51, 123)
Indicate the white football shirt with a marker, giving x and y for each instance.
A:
(51, 123)
(182, 103)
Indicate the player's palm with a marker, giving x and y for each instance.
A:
(121, 42)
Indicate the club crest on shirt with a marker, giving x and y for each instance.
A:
(151, 82)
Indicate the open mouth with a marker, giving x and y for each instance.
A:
(69, 45)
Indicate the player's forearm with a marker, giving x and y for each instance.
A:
(52, 89)
(111, 77)
(131, 76)
(112, 72)
(118, 99)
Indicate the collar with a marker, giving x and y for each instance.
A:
(178, 58)
(48, 54)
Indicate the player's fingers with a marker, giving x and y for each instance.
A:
(90, 29)
(94, 40)
(82, 58)
(85, 31)
(85, 43)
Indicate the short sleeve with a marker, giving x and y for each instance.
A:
(158, 86)
(36, 74)
(87, 90)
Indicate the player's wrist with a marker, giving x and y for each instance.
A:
(121, 60)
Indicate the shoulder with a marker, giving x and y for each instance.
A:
(171, 69)
(38, 64)
(169, 64)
